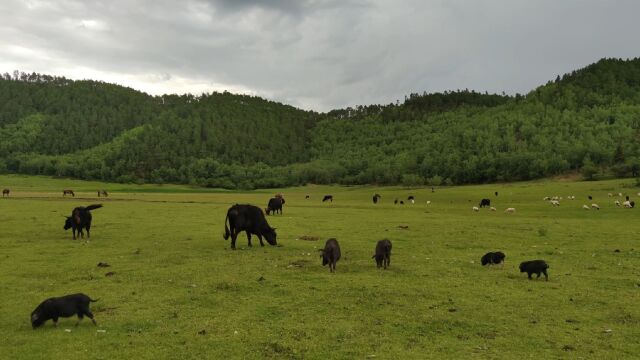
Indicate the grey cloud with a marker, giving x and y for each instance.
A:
(321, 54)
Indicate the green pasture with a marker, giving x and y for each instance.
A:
(179, 292)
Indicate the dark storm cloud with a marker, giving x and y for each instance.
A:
(316, 54)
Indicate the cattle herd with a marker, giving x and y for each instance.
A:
(251, 219)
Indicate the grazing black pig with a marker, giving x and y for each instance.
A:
(383, 253)
(493, 258)
(330, 254)
(65, 306)
(535, 267)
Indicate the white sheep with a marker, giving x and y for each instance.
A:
(555, 202)
(428, 202)
(595, 206)
(492, 208)
(627, 204)
(617, 203)
(620, 194)
(475, 208)
(546, 198)
(510, 210)
(586, 207)
(609, 194)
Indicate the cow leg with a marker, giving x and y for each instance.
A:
(80, 316)
(234, 236)
(546, 277)
(529, 275)
(249, 238)
(73, 230)
(88, 234)
(260, 238)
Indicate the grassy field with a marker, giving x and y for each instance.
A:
(179, 292)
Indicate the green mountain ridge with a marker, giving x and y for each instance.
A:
(587, 120)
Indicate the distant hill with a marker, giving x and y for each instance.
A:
(588, 120)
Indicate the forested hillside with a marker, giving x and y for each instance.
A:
(588, 121)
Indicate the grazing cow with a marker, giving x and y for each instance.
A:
(383, 253)
(510, 210)
(493, 258)
(250, 219)
(376, 197)
(590, 197)
(69, 192)
(401, 202)
(492, 209)
(412, 199)
(586, 207)
(475, 208)
(5, 192)
(595, 206)
(274, 205)
(103, 193)
(555, 202)
(535, 267)
(330, 254)
(496, 193)
(485, 202)
(327, 198)
(306, 197)
(395, 201)
(65, 306)
(80, 219)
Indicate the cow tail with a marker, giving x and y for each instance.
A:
(93, 207)
(226, 228)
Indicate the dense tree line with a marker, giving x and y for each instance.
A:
(588, 121)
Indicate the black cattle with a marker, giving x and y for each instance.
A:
(103, 193)
(493, 258)
(80, 219)
(632, 203)
(535, 267)
(401, 202)
(383, 253)
(68, 192)
(327, 198)
(485, 202)
(250, 219)
(376, 197)
(330, 254)
(395, 201)
(306, 197)
(496, 193)
(590, 197)
(65, 306)
(411, 197)
(5, 192)
(627, 197)
(274, 205)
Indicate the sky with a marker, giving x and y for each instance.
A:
(313, 54)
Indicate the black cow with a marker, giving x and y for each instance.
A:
(395, 201)
(496, 193)
(327, 198)
(80, 219)
(306, 197)
(590, 197)
(5, 192)
(65, 306)
(627, 197)
(330, 254)
(274, 205)
(485, 202)
(103, 193)
(376, 197)
(383, 253)
(535, 267)
(68, 192)
(250, 219)
(493, 258)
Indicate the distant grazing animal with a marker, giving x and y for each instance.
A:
(627, 204)
(306, 197)
(510, 210)
(395, 201)
(546, 198)
(330, 254)
(5, 192)
(586, 207)
(492, 208)
(250, 219)
(609, 194)
(412, 199)
(595, 206)
(383, 253)
(493, 258)
(620, 194)
(68, 192)
(555, 202)
(62, 307)
(632, 203)
(535, 267)
(401, 202)
(327, 198)
(627, 197)
(275, 205)
(590, 197)
(475, 208)
(376, 197)
(496, 193)
(617, 203)
(103, 193)
(485, 202)
(428, 202)
(80, 219)
(434, 190)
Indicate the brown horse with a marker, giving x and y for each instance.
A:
(5, 192)
(103, 193)
(70, 192)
